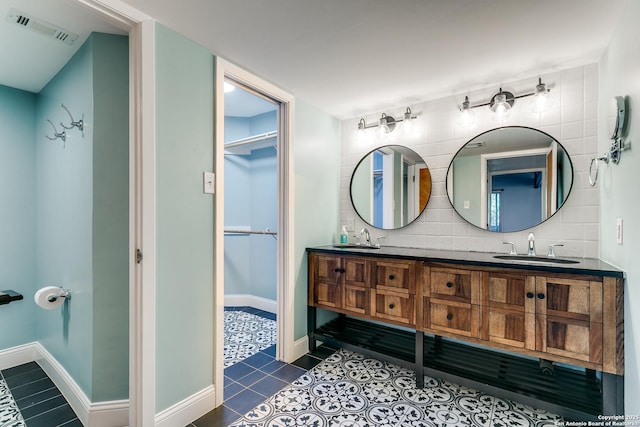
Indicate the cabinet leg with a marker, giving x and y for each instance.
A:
(311, 328)
(419, 359)
(612, 394)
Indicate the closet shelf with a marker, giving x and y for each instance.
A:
(245, 146)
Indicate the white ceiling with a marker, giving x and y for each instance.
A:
(30, 59)
(355, 57)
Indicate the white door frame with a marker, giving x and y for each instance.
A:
(141, 203)
(285, 270)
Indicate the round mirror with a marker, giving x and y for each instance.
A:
(390, 187)
(509, 179)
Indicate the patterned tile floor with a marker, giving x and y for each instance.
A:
(9, 414)
(349, 389)
(246, 332)
(38, 402)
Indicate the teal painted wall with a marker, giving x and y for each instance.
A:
(251, 201)
(82, 221)
(466, 186)
(64, 223)
(184, 218)
(618, 184)
(18, 213)
(316, 158)
(110, 374)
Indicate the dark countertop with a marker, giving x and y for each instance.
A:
(589, 266)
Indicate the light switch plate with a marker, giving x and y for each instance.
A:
(209, 182)
(619, 231)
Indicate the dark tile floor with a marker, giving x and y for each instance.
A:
(255, 379)
(39, 400)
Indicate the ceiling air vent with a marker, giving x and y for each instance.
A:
(39, 26)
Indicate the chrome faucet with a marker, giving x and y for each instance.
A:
(367, 236)
(532, 245)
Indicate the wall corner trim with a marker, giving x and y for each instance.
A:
(187, 410)
(94, 414)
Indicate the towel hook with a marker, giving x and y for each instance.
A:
(79, 124)
(57, 135)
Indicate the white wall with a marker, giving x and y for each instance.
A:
(618, 185)
(572, 121)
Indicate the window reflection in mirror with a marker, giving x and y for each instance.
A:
(509, 179)
(390, 187)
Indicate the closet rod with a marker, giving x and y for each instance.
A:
(273, 233)
(251, 139)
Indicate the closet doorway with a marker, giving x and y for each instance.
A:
(250, 226)
(254, 275)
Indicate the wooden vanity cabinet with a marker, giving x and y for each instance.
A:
(569, 320)
(573, 316)
(393, 291)
(339, 283)
(451, 298)
(373, 288)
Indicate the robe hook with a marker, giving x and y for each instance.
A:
(57, 135)
(77, 124)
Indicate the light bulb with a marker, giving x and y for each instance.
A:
(384, 126)
(542, 100)
(467, 116)
(361, 133)
(501, 109)
(407, 122)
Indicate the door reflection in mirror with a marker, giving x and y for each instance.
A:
(509, 179)
(390, 187)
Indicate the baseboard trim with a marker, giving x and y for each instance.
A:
(188, 410)
(99, 414)
(300, 348)
(241, 300)
(18, 355)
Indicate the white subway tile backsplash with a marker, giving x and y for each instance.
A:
(572, 120)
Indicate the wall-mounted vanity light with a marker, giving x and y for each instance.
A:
(386, 123)
(502, 102)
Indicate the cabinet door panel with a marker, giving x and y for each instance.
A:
(507, 291)
(572, 299)
(513, 328)
(455, 285)
(328, 268)
(356, 299)
(395, 276)
(327, 294)
(571, 338)
(356, 271)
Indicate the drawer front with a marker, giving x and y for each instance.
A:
(395, 276)
(457, 318)
(455, 285)
(395, 306)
